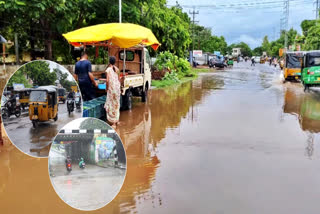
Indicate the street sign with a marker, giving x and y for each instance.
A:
(197, 53)
(18, 86)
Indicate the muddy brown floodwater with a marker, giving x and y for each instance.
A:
(233, 141)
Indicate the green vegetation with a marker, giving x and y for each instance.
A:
(39, 73)
(63, 79)
(19, 77)
(245, 49)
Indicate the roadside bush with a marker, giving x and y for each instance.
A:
(172, 76)
(171, 63)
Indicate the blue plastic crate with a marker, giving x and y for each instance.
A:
(85, 113)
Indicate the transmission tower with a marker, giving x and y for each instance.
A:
(285, 21)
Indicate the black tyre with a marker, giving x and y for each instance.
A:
(127, 100)
(56, 118)
(18, 112)
(5, 114)
(144, 95)
(35, 124)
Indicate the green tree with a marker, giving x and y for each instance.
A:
(39, 73)
(245, 49)
(93, 123)
(265, 45)
(19, 77)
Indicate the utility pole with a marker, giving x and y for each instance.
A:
(317, 8)
(194, 13)
(16, 47)
(120, 18)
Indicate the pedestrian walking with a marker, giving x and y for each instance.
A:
(253, 63)
(85, 78)
(112, 104)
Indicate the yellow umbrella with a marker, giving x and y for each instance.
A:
(123, 35)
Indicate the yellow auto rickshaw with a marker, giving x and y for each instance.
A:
(43, 104)
(23, 96)
(62, 96)
(293, 64)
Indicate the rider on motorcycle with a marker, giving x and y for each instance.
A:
(81, 163)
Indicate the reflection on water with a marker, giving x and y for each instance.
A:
(306, 106)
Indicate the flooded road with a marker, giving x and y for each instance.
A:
(233, 141)
(36, 141)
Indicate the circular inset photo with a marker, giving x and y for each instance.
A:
(87, 164)
(38, 100)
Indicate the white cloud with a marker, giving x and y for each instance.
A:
(251, 41)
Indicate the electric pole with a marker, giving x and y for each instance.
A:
(317, 8)
(120, 18)
(194, 13)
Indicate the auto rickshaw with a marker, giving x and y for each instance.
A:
(310, 76)
(292, 65)
(262, 60)
(23, 96)
(43, 104)
(62, 95)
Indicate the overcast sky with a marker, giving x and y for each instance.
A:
(236, 22)
(54, 65)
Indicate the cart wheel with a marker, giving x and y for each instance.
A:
(127, 100)
(35, 123)
(145, 94)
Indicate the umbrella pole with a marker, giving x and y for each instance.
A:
(124, 62)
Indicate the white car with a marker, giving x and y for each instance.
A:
(257, 59)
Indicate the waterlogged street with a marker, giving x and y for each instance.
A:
(36, 141)
(231, 141)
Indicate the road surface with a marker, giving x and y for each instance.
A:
(36, 141)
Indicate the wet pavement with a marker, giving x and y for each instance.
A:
(36, 141)
(87, 189)
(232, 141)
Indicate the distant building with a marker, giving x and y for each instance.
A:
(236, 52)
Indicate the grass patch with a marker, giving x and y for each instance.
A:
(166, 83)
(202, 70)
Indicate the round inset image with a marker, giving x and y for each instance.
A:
(38, 100)
(87, 164)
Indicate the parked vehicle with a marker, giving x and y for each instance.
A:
(62, 95)
(310, 76)
(43, 104)
(293, 64)
(132, 58)
(10, 106)
(135, 76)
(216, 62)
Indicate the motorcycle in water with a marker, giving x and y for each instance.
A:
(68, 165)
(78, 102)
(9, 108)
(70, 105)
(82, 164)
